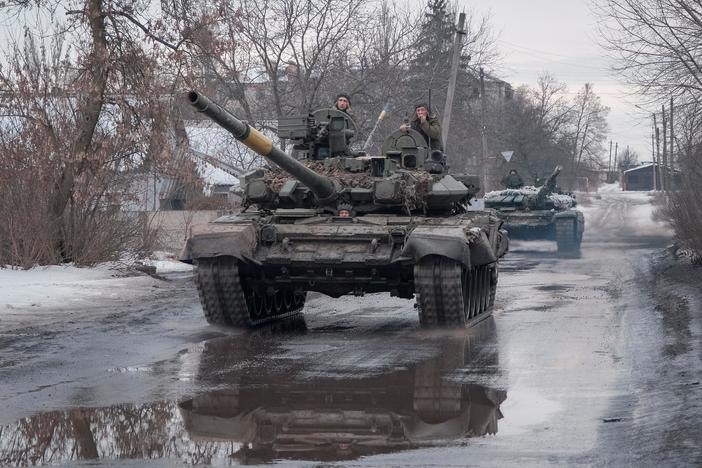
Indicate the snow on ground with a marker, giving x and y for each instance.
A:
(606, 188)
(70, 286)
(166, 263)
(643, 215)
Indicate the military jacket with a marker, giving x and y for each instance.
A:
(513, 181)
(430, 130)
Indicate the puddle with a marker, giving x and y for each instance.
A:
(259, 414)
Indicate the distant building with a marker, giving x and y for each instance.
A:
(640, 178)
(495, 88)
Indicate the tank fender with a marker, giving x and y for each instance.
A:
(577, 216)
(502, 241)
(573, 214)
(220, 239)
(469, 247)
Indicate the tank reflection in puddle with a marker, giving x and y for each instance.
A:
(341, 419)
(258, 417)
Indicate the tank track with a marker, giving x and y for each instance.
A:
(493, 285)
(452, 295)
(568, 238)
(227, 300)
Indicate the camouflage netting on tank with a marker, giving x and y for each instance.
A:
(416, 190)
(560, 201)
(415, 184)
(275, 178)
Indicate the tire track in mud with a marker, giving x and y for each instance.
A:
(612, 224)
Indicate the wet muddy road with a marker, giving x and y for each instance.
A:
(586, 362)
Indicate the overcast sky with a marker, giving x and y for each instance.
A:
(560, 36)
(557, 36)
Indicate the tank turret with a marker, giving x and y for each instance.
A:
(323, 134)
(328, 174)
(330, 219)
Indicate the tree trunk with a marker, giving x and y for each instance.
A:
(87, 114)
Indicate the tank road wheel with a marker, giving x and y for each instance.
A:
(450, 294)
(299, 298)
(288, 298)
(227, 301)
(568, 236)
(278, 300)
(255, 304)
(264, 307)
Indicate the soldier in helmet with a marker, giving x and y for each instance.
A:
(343, 103)
(513, 180)
(426, 124)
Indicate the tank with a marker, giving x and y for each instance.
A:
(339, 222)
(540, 213)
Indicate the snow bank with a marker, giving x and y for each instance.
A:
(69, 286)
(166, 262)
(608, 188)
(59, 285)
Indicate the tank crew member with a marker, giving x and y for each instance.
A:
(513, 180)
(426, 124)
(343, 103)
(538, 181)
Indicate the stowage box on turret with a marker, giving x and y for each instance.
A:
(540, 213)
(338, 222)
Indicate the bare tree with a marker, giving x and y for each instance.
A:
(90, 103)
(553, 108)
(628, 159)
(657, 44)
(588, 128)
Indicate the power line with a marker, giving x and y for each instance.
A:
(540, 55)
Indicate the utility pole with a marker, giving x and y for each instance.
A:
(616, 153)
(672, 142)
(661, 169)
(457, 46)
(609, 166)
(483, 136)
(653, 154)
(666, 185)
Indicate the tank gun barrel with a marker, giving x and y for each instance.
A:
(549, 184)
(552, 177)
(321, 186)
